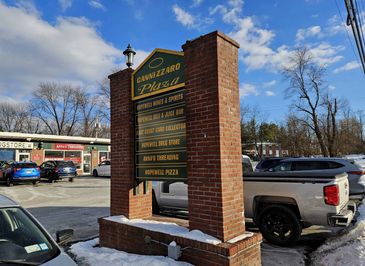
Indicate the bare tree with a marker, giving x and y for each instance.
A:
(104, 100)
(57, 106)
(306, 81)
(16, 117)
(88, 112)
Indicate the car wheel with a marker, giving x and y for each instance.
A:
(71, 179)
(8, 182)
(95, 173)
(279, 225)
(155, 207)
(35, 183)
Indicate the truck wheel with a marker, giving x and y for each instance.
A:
(71, 179)
(279, 225)
(155, 207)
(95, 173)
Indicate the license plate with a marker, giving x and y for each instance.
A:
(28, 171)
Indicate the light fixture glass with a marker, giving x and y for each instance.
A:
(129, 54)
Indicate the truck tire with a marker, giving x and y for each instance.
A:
(279, 225)
(155, 207)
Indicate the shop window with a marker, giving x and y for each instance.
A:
(104, 155)
(53, 155)
(75, 157)
(7, 155)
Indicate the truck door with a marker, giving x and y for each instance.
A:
(174, 194)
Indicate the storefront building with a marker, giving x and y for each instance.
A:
(86, 153)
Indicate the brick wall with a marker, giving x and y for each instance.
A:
(123, 199)
(214, 136)
(37, 156)
(132, 239)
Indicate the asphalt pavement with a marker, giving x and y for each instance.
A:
(62, 205)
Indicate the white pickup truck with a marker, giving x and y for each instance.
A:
(279, 204)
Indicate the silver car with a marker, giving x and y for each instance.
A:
(355, 169)
(24, 241)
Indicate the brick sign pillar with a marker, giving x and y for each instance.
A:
(213, 133)
(127, 197)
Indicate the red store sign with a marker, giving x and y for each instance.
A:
(68, 147)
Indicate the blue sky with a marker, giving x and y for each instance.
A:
(81, 42)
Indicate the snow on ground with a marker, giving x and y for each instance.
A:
(167, 228)
(87, 254)
(345, 249)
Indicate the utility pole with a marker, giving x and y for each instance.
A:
(352, 20)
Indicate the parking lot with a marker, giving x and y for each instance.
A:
(79, 204)
(64, 204)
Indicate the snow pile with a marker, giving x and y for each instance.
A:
(87, 254)
(167, 228)
(346, 249)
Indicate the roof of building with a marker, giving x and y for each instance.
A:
(51, 138)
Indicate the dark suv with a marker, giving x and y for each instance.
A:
(355, 170)
(57, 170)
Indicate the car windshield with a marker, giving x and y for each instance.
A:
(26, 165)
(21, 239)
(65, 164)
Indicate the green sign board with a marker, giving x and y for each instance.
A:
(161, 137)
(162, 71)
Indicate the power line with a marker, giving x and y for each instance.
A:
(353, 20)
(347, 32)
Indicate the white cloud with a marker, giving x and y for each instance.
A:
(326, 54)
(28, 6)
(347, 67)
(269, 84)
(196, 3)
(335, 26)
(188, 20)
(248, 89)
(314, 31)
(183, 17)
(232, 13)
(97, 4)
(331, 87)
(255, 42)
(65, 4)
(269, 93)
(34, 51)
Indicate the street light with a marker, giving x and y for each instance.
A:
(129, 54)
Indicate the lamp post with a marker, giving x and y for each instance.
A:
(129, 54)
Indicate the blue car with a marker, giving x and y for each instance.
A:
(20, 172)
